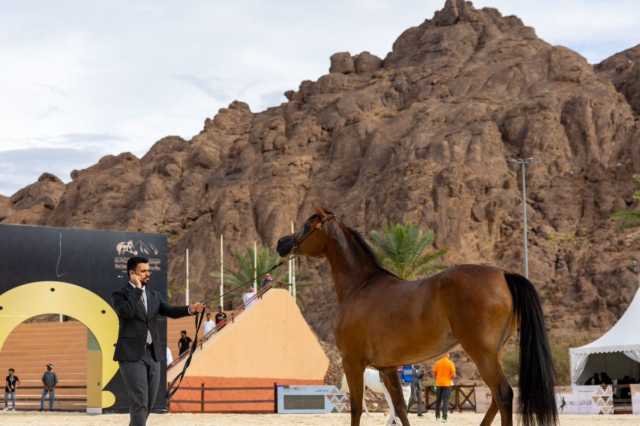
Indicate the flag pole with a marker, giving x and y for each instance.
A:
(222, 271)
(186, 292)
(291, 269)
(255, 267)
(293, 273)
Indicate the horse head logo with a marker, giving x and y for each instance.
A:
(126, 247)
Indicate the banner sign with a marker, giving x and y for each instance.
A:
(635, 399)
(586, 400)
(311, 400)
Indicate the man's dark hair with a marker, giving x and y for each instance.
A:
(134, 261)
(11, 370)
(183, 331)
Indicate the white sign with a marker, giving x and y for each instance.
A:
(635, 399)
(586, 400)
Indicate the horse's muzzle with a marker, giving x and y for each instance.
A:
(285, 245)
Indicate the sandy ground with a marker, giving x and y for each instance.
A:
(464, 419)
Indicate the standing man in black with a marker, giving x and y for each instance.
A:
(138, 349)
(184, 343)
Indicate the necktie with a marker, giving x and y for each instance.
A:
(144, 302)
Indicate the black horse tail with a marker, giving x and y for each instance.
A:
(537, 375)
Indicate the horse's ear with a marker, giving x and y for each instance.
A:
(321, 212)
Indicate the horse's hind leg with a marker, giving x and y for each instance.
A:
(355, 378)
(392, 383)
(491, 372)
(490, 414)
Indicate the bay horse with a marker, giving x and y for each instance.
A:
(384, 321)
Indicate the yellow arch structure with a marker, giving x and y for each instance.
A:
(55, 297)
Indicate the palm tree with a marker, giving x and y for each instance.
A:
(405, 250)
(242, 274)
(630, 218)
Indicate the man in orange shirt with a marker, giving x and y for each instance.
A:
(444, 371)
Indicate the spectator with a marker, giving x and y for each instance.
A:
(221, 317)
(184, 342)
(416, 388)
(444, 371)
(406, 374)
(209, 325)
(49, 381)
(267, 280)
(10, 390)
(606, 380)
(594, 380)
(248, 298)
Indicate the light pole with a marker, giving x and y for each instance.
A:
(523, 162)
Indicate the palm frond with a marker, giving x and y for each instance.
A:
(406, 251)
(242, 273)
(627, 218)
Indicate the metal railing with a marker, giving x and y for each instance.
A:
(202, 401)
(222, 324)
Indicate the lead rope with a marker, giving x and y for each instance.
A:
(175, 383)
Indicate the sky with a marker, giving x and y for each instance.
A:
(80, 79)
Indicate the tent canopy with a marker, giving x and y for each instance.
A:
(623, 339)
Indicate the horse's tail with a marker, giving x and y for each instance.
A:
(537, 376)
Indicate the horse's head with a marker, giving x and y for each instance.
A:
(311, 239)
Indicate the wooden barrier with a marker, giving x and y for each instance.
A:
(230, 394)
(28, 397)
(463, 397)
(236, 391)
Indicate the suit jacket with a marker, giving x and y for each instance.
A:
(134, 321)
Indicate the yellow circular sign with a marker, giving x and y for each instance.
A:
(54, 297)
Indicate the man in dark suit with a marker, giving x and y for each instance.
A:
(138, 348)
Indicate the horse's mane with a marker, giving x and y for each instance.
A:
(366, 248)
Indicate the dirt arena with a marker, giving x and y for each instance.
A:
(377, 419)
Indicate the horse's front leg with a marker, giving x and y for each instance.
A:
(392, 383)
(354, 370)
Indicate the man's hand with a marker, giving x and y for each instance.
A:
(196, 307)
(135, 280)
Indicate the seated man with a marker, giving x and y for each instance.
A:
(594, 380)
(221, 318)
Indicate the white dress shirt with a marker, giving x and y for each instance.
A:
(144, 302)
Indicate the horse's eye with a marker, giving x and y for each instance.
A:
(306, 228)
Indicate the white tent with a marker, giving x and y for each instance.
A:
(617, 352)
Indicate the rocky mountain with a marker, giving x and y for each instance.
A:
(424, 135)
(623, 69)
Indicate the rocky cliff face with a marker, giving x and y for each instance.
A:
(424, 135)
(623, 69)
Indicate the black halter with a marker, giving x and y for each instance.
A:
(308, 229)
